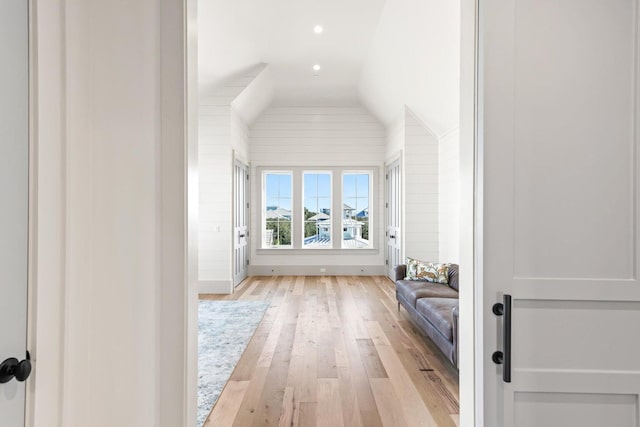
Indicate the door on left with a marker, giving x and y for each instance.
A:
(14, 207)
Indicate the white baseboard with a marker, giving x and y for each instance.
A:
(214, 287)
(315, 270)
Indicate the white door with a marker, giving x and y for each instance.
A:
(559, 107)
(14, 198)
(240, 222)
(393, 192)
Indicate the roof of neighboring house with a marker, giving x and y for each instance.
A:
(363, 213)
(319, 217)
(278, 213)
(346, 207)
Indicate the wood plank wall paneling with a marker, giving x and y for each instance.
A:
(334, 351)
(221, 132)
(449, 196)
(317, 135)
(421, 212)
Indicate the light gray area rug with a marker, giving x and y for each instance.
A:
(224, 330)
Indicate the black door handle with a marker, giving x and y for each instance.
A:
(504, 357)
(12, 368)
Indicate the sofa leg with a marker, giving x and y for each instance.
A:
(398, 306)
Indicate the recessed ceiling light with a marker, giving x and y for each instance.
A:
(318, 29)
(316, 67)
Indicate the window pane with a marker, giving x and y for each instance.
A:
(349, 187)
(355, 215)
(277, 214)
(317, 210)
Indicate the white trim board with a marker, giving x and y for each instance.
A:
(315, 270)
(215, 287)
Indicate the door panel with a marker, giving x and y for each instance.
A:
(241, 222)
(559, 91)
(14, 191)
(393, 204)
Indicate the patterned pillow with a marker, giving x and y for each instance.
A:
(427, 271)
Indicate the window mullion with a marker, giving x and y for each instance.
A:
(336, 210)
(298, 210)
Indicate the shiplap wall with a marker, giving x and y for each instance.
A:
(239, 133)
(222, 134)
(395, 139)
(421, 230)
(316, 136)
(215, 190)
(449, 196)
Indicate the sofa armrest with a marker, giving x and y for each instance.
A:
(400, 271)
(455, 335)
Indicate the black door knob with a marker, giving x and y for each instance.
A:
(12, 368)
(7, 369)
(23, 370)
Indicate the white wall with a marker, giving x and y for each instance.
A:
(222, 134)
(395, 138)
(420, 178)
(413, 60)
(420, 185)
(215, 155)
(316, 136)
(46, 312)
(449, 196)
(239, 134)
(123, 159)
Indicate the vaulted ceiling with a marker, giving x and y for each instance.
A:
(384, 54)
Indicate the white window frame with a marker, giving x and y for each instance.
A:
(370, 173)
(263, 216)
(297, 226)
(302, 199)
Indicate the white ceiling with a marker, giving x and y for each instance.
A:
(384, 54)
(237, 34)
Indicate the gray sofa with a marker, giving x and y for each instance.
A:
(433, 307)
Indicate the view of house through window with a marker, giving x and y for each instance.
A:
(317, 210)
(277, 232)
(323, 219)
(355, 217)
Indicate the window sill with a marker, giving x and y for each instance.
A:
(316, 251)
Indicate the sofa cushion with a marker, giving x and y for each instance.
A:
(439, 312)
(428, 271)
(453, 276)
(411, 290)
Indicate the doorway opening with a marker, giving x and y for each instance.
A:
(308, 97)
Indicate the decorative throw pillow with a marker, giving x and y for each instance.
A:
(427, 271)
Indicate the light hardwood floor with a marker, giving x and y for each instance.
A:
(334, 351)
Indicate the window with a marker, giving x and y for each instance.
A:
(277, 210)
(355, 210)
(317, 210)
(312, 209)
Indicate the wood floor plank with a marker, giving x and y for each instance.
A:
(329, 406)
(371, 360)
(268, 411)
(388, 404)
(251, 399)
(307, 417)
(298, 288)
(288, 408)
(414, 409)
(230, 400)
(334, 351)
